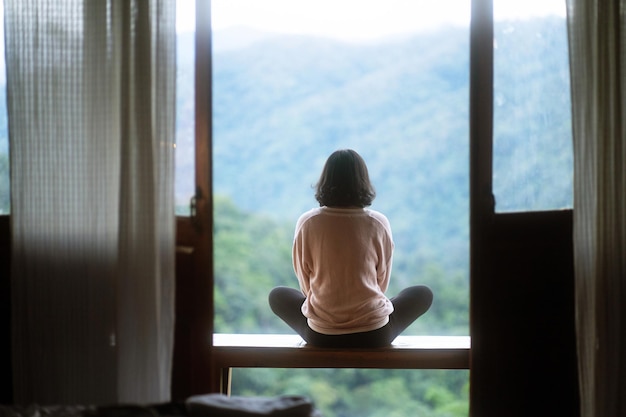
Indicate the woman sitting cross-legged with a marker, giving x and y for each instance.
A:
(342, 256)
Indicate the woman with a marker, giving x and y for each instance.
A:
(342, 256)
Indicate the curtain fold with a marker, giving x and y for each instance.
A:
(597, 42)
(90, 102)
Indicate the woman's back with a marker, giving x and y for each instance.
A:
(342, 258)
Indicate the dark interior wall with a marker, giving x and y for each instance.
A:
(183, 353)
(6, 376)
(522, 315)
(183, 337)
(182, 376)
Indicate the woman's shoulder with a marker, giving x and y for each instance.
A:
(380, 217)
(307, 215)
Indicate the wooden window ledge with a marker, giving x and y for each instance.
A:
(290, 351)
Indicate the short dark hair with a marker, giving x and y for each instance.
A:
(345, 181)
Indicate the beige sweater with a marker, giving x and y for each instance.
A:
(343, 257)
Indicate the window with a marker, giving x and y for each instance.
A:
(184, 188)
(532, 158)
(294, 81)
(364, 392)
(285, 97)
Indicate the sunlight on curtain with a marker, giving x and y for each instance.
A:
(91, 121)
(598, 67)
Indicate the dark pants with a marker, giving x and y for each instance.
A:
(408, 305)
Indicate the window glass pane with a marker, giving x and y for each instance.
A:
(364, 392)
(185, 115)
(532, 162)
(295, 80)
(5, 196)
(292, 82)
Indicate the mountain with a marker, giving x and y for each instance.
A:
(282, 104)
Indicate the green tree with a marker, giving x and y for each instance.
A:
(252, 255)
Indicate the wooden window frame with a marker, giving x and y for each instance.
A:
(481, 201)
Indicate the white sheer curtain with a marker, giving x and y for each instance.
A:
(91, 125)
(597, 31)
